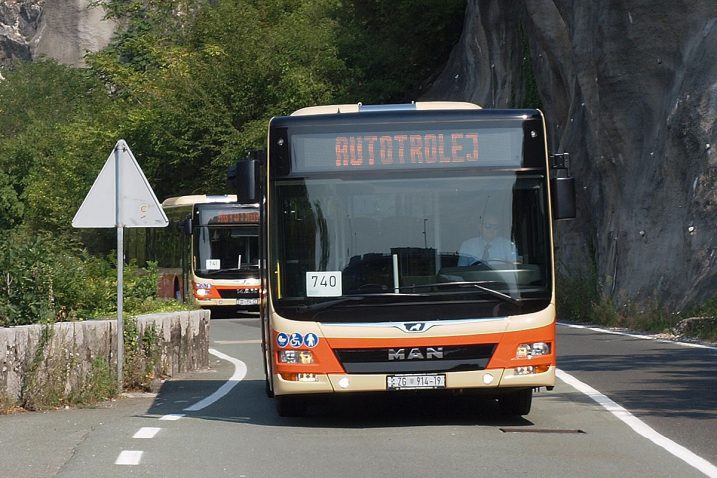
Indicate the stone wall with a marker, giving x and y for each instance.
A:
(67, 351)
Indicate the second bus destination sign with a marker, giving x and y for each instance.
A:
(407, 149)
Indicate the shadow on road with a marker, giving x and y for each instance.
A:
(247, 403)
(654, 378)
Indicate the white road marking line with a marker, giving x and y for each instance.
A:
(238, 375)
(146, 432)
(129, 457)
(172, 417)
(639, 426)
(639, 336)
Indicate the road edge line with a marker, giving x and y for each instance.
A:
(240, 371)
(639, 426)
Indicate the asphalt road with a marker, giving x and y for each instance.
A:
(189, 430)
(670, 386)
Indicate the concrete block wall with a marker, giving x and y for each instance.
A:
(68, 349)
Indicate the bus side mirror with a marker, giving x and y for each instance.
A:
(187, 226)
(562, 188)
(243, 178)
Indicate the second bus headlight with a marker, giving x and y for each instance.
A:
(296, 357)
(535, 349)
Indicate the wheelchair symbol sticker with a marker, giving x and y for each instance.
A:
(296, 340)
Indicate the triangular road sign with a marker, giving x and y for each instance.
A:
(135, 206)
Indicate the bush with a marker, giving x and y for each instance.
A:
(47, 279)
(42, 278)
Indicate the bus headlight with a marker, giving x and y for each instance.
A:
(535, 349)
(302, 357)
(202, 289)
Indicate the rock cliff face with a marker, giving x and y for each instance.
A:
(63, 30)
(629, 89)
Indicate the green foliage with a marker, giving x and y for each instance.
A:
(33, 273)
(141, 355)
(190, 85)
(44, 109)
(577, 296)
(45, 280)
(54, 378)
(707, 309)
(44, 382)
(11, 208)
(393, 46)
(99, 385)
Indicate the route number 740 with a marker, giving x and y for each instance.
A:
(323, 284)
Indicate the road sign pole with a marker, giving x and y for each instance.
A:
(134, 205)
(120, 270)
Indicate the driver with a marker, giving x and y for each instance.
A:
(489, 246)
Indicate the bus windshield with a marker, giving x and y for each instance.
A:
(226, 251)
(444, 238)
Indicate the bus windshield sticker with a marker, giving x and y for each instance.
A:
(311, 340)
(296, 340)
(282, 340)
(213, 264)
(323, 284)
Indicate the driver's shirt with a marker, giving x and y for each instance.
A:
(473, 250)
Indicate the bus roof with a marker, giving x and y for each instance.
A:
(198, 199)
(358, 107)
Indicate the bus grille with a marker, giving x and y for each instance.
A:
(452, 358)
(238, 293)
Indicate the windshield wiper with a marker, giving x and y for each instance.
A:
(476, 284)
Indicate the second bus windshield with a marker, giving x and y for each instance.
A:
(225, 251)
(337, 238)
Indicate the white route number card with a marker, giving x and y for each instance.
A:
(323, 284)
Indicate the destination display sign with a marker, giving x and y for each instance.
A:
(234, 217)
(226, 216)
(384, 150)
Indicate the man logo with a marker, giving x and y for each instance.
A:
(415, 326)
(423, 353)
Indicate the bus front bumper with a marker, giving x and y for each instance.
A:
(347, 383)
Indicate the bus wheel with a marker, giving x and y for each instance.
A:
(290, 406)
(516, 403)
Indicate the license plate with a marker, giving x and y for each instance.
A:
(413, 382)
(247, 301)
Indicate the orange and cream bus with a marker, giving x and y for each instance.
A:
(369, 285)
(209, 253)
(223, 262)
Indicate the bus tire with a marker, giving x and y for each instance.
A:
(290, 405)
(516, 403)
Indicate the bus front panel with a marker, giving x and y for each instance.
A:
(409, 254)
